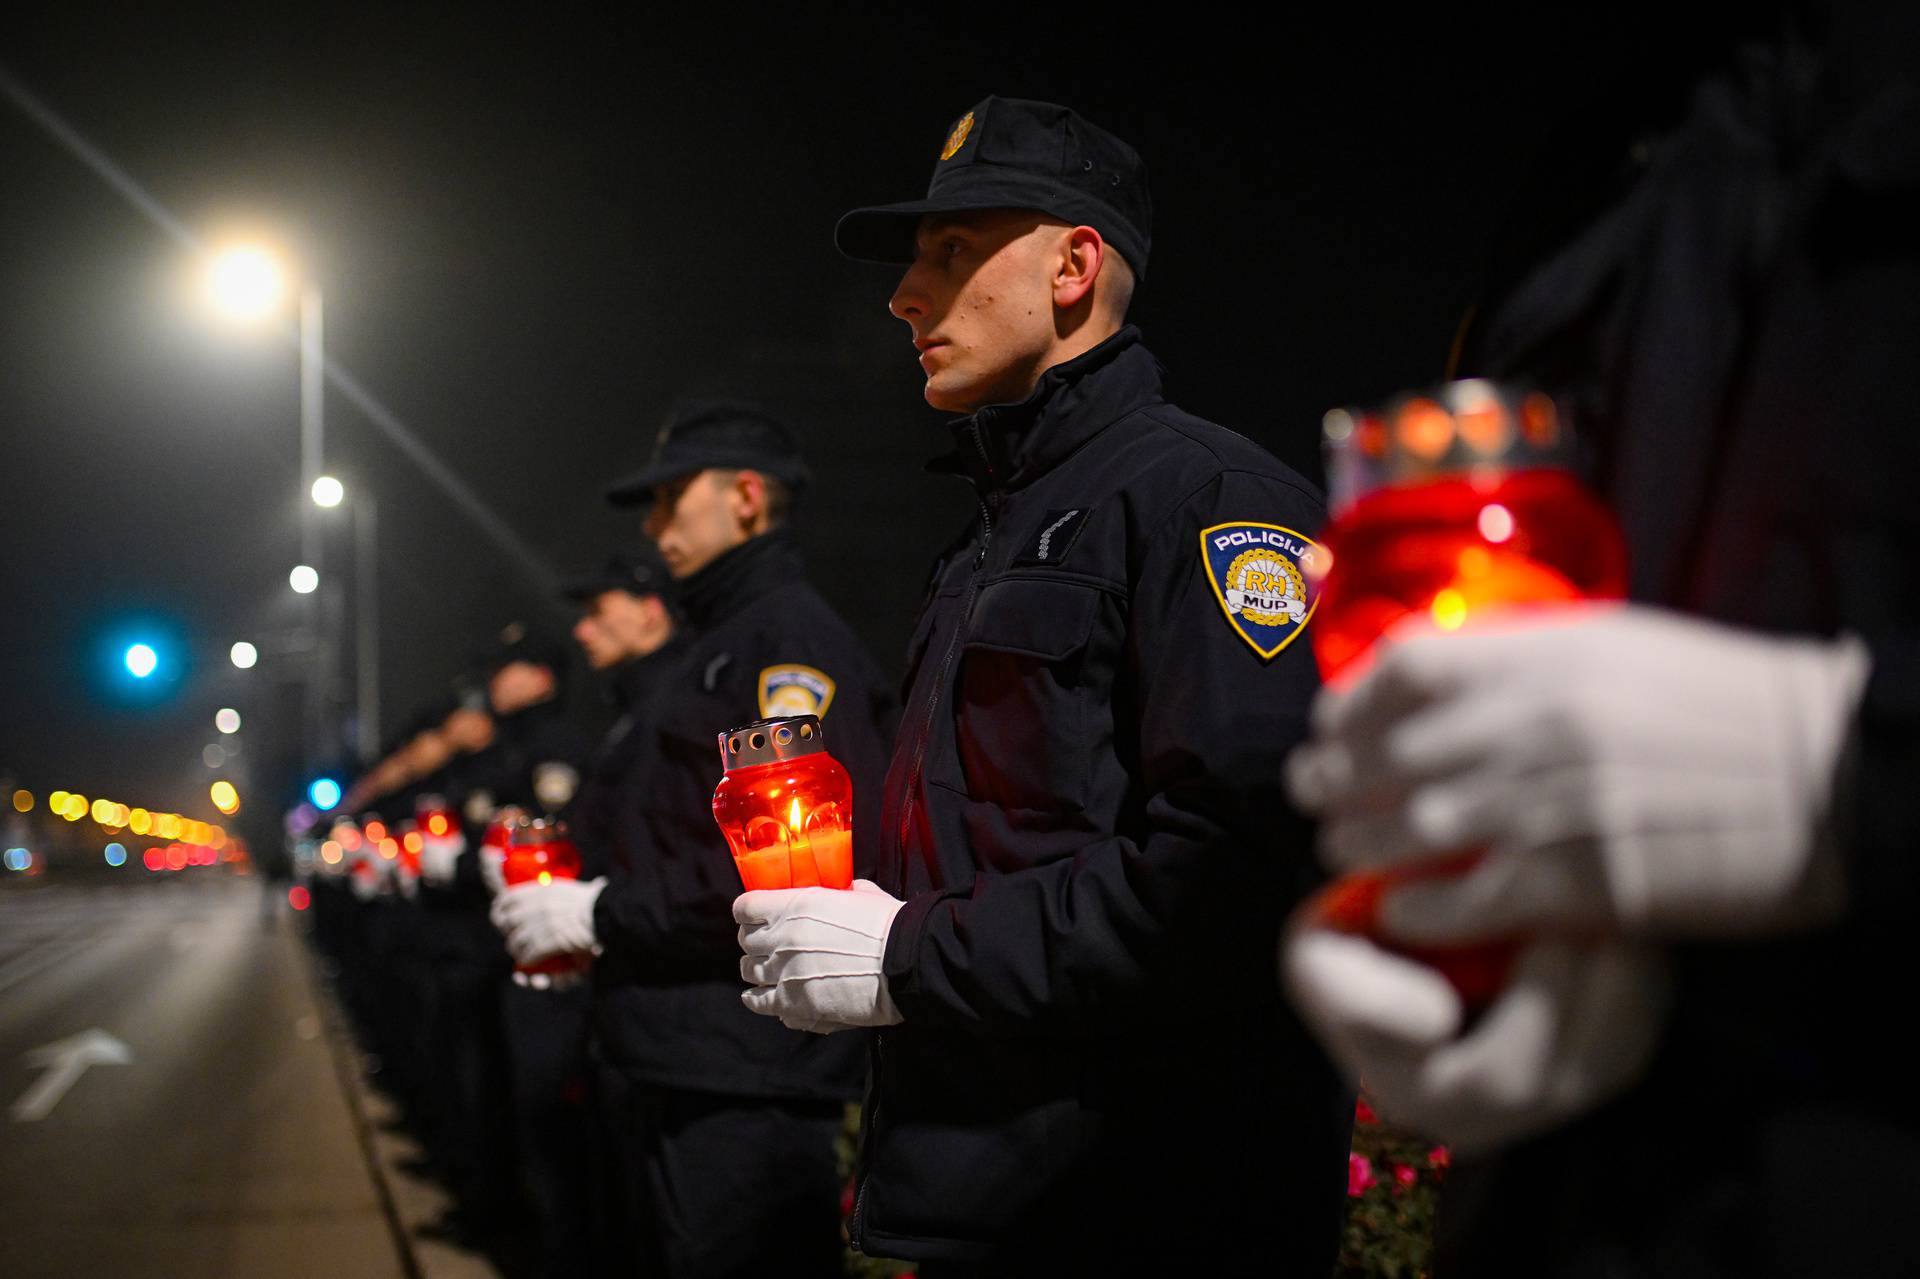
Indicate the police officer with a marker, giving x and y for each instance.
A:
(734, 1116)
(625, 622)
(462, 1108)
(1697, 804)
(1067, 953)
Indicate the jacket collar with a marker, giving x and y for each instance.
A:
(741, 575)
(1006, 446)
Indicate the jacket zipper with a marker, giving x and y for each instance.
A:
(856, 1223)
(865, 1158)
(953, 643)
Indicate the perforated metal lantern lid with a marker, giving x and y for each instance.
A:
(1459, 428)
(771, 741)
(524, 830)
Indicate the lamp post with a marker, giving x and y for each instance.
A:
(248, 283)
(328, 492)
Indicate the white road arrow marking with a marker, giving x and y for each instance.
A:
(66, 1061)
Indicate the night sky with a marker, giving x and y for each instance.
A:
(537, 229)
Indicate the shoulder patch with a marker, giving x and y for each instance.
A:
(1265, 578)
(793, 689)
(1058, 530)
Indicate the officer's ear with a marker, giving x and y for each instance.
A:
(748, 500)
(1083, 254)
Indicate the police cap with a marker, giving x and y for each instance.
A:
(1010, 153)
(715, 434)
(638, 573)
(518, 643)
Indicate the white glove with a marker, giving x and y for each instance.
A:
(438, 856)
(493, 869)
(813, 955)
(1574, 1026)
(365, 880)
(554, 918)
(1623, 767)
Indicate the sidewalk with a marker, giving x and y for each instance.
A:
(414, 1202)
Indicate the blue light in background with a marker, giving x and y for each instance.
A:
(141, 660)
(116, 854)
(325, 793)
(17, 859)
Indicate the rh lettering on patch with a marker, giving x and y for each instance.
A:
(1264, 577)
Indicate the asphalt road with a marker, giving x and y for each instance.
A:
(223, 1144)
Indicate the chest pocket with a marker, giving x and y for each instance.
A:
(1027, 699)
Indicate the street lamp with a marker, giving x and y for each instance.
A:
(244, 655)
(247, 282)
(330, 492)
(304, 579)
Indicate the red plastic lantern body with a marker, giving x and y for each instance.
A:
(1449, 507)
(785, 806)
(539, 852)
(493, 847)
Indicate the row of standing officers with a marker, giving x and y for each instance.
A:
(1054, 982)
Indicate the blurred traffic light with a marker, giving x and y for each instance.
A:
(141, 660)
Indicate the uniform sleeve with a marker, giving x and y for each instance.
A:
(672, 914)
(1180, 920)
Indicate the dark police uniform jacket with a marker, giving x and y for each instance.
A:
(595, 816)
(1084, 813)
(1740, 330)
(532, 750)
(667, 988)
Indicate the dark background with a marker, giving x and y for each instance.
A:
(537, 228)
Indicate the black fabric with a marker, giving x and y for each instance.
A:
(735, 1187)
(1085, 815)
(1739, 332)
(1010, 153)
(640, 572)
(715, 434)
(668, 986)
(560, 1150)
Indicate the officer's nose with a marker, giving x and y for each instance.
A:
(909, 301)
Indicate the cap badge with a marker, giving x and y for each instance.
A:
(958, 138)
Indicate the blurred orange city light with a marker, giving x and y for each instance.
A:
(389, 848)
(413, 841)
(23, 801)
(140, 821)
(176, 857)
(376, 831)
(225, 797)
(330, 852)
(437, 824)
(76, 808)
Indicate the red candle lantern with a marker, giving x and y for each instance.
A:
(785, 805)
(493, 848)
(441, 839)
(538, 852)
(406, 861)
(1447, 507)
